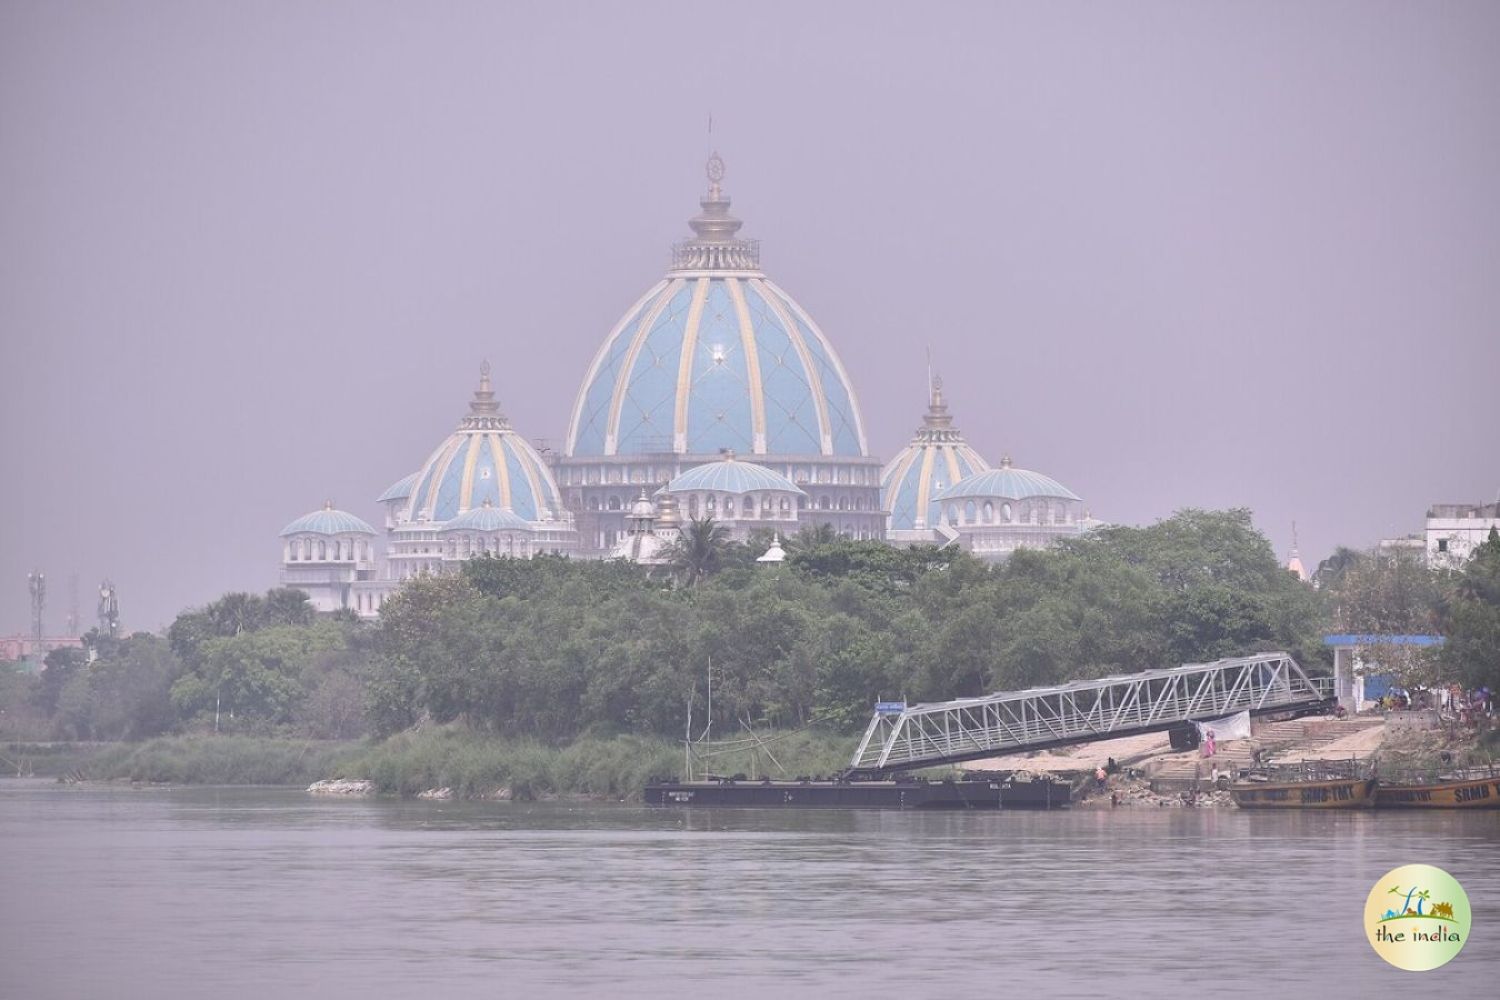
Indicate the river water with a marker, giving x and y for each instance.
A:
(270, 893)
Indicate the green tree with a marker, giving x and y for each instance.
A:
(1391, 591)
(253, 678)
(59, 667)
(1471, 653)
(699, 552)
(131, 683)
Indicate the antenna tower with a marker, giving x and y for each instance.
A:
(36, 582)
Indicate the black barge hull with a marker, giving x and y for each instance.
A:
(860, 794)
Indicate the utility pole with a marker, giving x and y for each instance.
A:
(72, 629)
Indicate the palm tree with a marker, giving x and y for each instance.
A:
(811, 537)
(699, 551)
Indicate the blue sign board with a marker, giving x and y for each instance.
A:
(1382, 640)
(890, 707)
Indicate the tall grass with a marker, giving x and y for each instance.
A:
(473, 764)
(217, 760)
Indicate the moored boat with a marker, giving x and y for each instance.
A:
(1331, 793)
(1455, 792)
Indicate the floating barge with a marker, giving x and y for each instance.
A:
(902, 793)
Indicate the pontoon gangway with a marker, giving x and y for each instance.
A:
(902, 737)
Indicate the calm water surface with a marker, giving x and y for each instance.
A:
(220, 892)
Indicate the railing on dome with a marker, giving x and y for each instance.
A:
(902, 738)
(654, 445)
(737, 255)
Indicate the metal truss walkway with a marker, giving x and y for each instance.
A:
(902, 738)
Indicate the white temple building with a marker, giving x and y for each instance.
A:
(327, 554)
(716, 395)
(997, 511)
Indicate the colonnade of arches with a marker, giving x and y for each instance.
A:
(321, 548)
(1001, 511)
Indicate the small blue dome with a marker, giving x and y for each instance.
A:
(399, 490)
(731, 476)
(487, 518)
(484, 461)
(328, 521)
(1007, 483)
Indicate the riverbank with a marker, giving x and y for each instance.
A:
(466, 763)
(180, 760)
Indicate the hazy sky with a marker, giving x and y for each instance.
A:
(1185, 254)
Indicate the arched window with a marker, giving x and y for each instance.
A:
(710, 503)
(824, 503)
(802, 503)
(593, 503)
(843, 503)
(614, 503)
(968, 512)
(729, 506)
(693, 506)
(988, 513)
(291, 551)
(322, 550)
(1005, 512)
(786, 505)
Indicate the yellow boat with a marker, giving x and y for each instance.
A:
(1333, 793)
(1453, 793)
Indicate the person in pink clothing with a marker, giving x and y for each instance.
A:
(1209, 746)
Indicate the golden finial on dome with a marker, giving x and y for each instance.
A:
(715, 171)
(483, 403)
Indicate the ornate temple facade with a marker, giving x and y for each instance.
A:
(717, 396)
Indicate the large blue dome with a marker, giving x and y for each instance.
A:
(484, 461)
(715, 356)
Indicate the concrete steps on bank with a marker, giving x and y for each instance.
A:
(1181, 771)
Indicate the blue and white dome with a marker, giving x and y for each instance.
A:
(328, 521)
(484, 461)
(487, 518)
(731, 477)
(937, 458)
(715, 356)
(399, 490)
(1006, 483)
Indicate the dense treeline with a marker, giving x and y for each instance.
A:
(553, 650)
